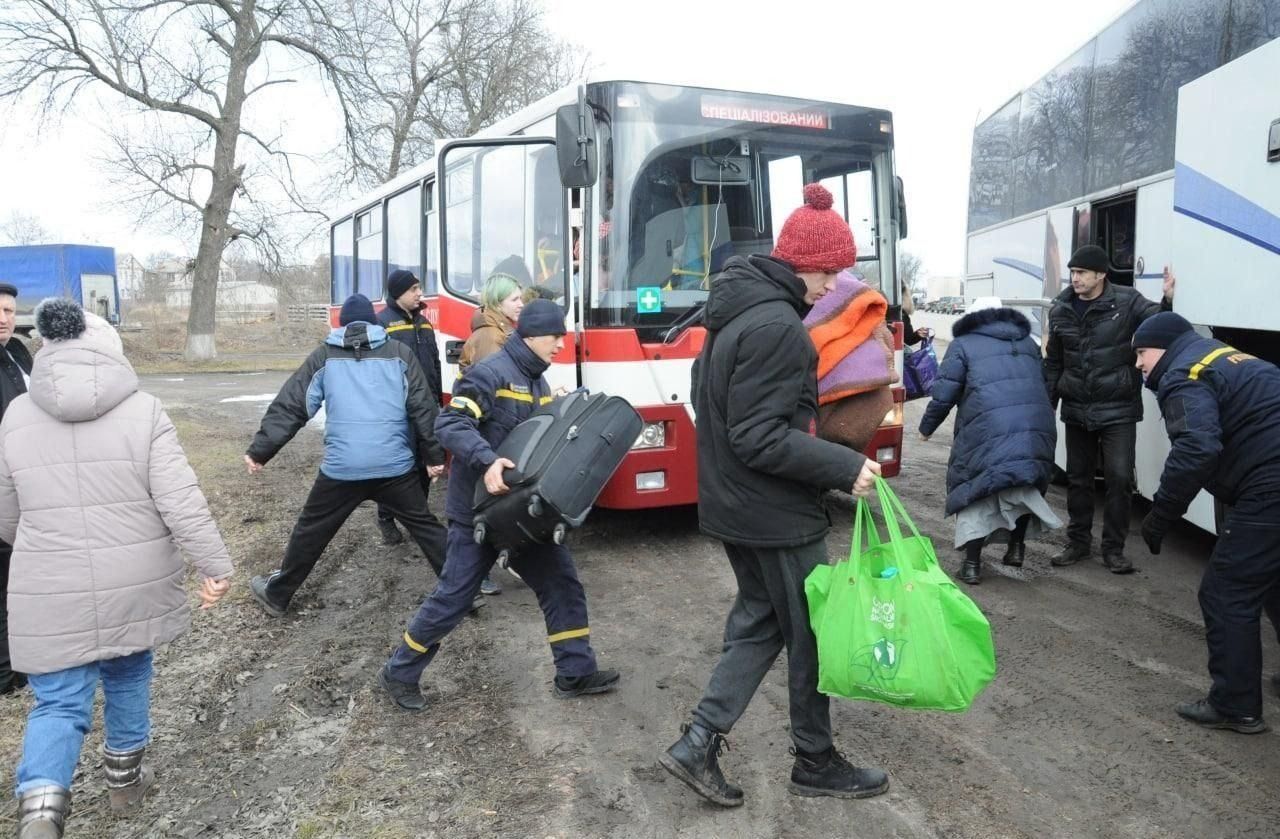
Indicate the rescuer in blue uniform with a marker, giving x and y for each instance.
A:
(493, 397)
(1221, 408)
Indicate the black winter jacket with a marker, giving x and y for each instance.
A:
(761, 467)
(14, 361)
(1005, 433)
(1089, 364)
(1221, 409)
(495, 395)
(417, 333)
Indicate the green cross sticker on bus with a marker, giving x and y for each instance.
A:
(648, 300)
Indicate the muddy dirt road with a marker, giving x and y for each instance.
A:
(269, 727)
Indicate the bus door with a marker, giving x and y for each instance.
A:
(1154, 231)
(1114, 230)
(503, 209)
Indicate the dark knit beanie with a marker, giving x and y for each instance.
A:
(357, 308)
(9, 289)
(398, 282)
(815, 237)
(1160, 330)
(1090, 258)
(540, 317)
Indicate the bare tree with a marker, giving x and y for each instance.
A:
(416, 70)
(24, 229)
(909, 266)
(193, 67)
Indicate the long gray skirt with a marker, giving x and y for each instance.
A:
(1000, 512)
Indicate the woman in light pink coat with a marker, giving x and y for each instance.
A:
(100, 504)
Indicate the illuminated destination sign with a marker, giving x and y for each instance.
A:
(739, 110)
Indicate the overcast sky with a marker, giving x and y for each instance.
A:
(936, 65)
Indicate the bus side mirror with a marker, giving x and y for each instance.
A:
(902, 207)
(576, 144)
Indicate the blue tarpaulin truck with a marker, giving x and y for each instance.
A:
(86, 273)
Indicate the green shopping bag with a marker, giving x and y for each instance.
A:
(891, 626)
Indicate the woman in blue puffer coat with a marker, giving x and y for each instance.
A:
(1005, 434)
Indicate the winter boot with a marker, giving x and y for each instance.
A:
(42, 812)
(1203, 713)
(258, 586)
(1070, 556)
(1117, 563)
(1017, 552)
(407, 697)
(828, 773)
(694, 759)
(390, 533)
(971, 568)
(601, 681)
(127, 779)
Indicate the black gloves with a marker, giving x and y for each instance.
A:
(1154, 526)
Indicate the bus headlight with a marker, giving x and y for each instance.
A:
(652, 436)
(895, 416)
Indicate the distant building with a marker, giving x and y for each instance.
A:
(130, 277)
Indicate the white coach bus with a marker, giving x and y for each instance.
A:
(1158, 140)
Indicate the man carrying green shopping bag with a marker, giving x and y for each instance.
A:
(761, 474)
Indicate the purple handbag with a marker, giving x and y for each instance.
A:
(920, 369)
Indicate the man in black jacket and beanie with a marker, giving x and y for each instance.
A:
(1221, 408)
(404, 321)
(15, 372)
(1088, 366)
(762, 472)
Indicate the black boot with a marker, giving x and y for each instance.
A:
(694, 759)
(1017, 551)
(828, 773)
(390, 533)
(971, 568)
(601, 681)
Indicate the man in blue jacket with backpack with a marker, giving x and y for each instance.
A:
(492, 398)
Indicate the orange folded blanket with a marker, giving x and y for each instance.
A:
(843, 319)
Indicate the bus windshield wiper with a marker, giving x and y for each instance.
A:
(691, 318)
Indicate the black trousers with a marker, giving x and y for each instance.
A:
(1118, 444)
(384, 512)
(6, 672)
(328, 507)
(1241, 581)
(770, 613)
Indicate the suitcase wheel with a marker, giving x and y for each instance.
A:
(478, 533)
(558, 534)
(535, 507)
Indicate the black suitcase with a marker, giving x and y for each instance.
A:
(564, 453)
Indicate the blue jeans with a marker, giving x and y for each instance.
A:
(64, 712)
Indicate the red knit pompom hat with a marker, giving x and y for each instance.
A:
(815, 237)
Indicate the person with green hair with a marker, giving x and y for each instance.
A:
(502, 300)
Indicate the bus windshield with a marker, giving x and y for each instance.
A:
(691, 177)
